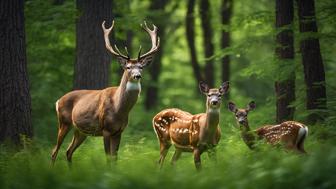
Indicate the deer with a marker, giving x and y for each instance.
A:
(290, 134)
(191, 133)
(104, 112)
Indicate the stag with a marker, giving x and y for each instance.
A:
(104, 112)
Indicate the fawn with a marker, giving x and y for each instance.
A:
(191, 133)
(290, 133)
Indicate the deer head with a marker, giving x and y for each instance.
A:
(133, 67)
(241, 114)
(214, 94)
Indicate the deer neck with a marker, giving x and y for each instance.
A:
(126, 95)
(211, 123)
(247, 135)
(244, 127)
(212, 117)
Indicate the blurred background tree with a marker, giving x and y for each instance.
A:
(285, 85)
(312, 61)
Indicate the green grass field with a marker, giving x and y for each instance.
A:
(236, 166)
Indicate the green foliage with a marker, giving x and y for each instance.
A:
(237, 166)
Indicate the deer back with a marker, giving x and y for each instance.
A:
(286, 131)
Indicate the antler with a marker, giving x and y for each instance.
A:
(107, 31)
(155, 41)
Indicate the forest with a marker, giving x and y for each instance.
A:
(91, 90)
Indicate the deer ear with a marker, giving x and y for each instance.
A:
(232, 107)
(146, 61)
(224, 87)
(251, 106)
(203, 87)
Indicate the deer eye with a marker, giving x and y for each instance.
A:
(128, 67)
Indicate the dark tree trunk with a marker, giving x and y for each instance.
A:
(190, 34)
(312, 60)
(92, 60)
(285, 87)
(15, 104)
(155, 67)
(58, 2)
(205, 13)
(226, 12)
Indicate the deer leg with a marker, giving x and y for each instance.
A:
(107, 142)
(115, 141)
(77, 140)
(176, 156)
(197, 159)
(63, 129)
(163, 152)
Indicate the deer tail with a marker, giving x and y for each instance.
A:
(302, 135)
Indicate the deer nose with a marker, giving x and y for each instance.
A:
(137, 77)
(241, 121)
(214, 102)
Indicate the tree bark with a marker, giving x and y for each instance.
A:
(152, 92)
(285, 87)
(92, 59)
(15, 103)
(312, 60)
(190, 34)
(207, 41)
(226, 12)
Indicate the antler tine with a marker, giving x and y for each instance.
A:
(118, 51)
(155, 40)
(127, 53)
(139, 54)
(107, 41)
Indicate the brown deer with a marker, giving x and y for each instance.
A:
(191, 133)
(103, 112)
(289, 133)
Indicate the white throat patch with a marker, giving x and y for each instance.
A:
(130, 86)
(214, 110)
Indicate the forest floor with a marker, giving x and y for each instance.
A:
(236, 167)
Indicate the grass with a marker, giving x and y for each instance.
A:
(237, 166)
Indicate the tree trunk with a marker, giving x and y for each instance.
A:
(312, 60)
(284, 87)
(92, 60)
(155, 67)
(190, 34)
(226, 12)
(58, 2)
(15, 104)
(207, 41)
